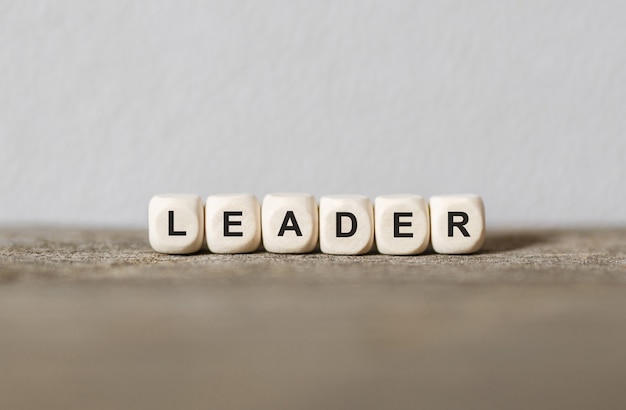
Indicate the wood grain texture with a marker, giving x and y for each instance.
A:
(95, 319)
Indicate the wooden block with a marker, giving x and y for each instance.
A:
(402, 224)
(289, 223)
(176, 223)
(233, 223)
(346, 224)
(457, 223)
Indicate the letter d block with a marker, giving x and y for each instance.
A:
(233, 223)
(176, 223)
(346, 224)
(289, 223)
(457, 223)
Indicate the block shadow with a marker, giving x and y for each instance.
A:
(502, 241)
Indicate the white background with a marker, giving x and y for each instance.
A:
(105, 103)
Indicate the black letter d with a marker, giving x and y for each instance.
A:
(352, 231)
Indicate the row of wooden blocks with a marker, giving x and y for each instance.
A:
(294, 223)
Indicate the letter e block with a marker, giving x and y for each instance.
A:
(176, 223)
(457, 223)
(402, 224)
(233, 223)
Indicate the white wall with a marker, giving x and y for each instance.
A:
(105, 103)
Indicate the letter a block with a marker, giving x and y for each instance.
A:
(402, 224)
(346, 224)
(233, 223)
(289, 223)
(176, 223)
(457, 223)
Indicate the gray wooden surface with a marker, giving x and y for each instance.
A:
(95, 319)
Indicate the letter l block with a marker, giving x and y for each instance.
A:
(176, 223)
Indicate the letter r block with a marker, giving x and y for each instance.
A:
(346, 224)
(289, 223)
(457, 223)
(176, 223)
(233, 223)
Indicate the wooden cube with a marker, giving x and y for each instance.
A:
(289, 223)
(402, 224)
(346, 224)
(176, 223)
(233, 223)
(457, 223)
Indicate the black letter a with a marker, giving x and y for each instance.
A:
(289, 216)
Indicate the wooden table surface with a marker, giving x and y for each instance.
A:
(93, 319)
